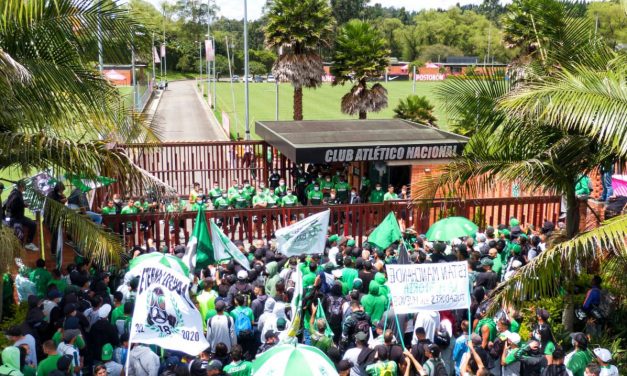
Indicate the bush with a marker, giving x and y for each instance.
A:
(17, 317)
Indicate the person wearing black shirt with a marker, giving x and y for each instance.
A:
(14, 210)
(488, 278)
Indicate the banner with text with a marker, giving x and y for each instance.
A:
(433, 287)
(164, 313)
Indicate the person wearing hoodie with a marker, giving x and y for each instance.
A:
(374, 302)
(10, 362)
(143, 361)
(259, 303)
(383, 288)
(357, 321)
(349, 274)
(270, 322)
(268, 307)
(273, 277)
(102, 332)
(17, 336)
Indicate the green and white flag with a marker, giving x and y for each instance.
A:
(386, 233)
(306, 236)
(296, 303)
(199, 252)
(164, 313)
(224, 249)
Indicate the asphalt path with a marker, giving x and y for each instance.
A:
(184, 117)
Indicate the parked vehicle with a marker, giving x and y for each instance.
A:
(235, 78)
(258, 78)
(271, 78)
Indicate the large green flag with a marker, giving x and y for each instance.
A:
(199, 252)
(386, 233)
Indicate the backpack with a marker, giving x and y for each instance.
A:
(362, 326)
(335, 310)
(242, 322)
(245, 292)
(605, 307)
(438, 367)
(386, 369)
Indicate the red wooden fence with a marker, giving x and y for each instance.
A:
(354, 220)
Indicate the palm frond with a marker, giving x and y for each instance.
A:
(97, 243)
(11, 70)
(586, 101)
(364, 99)
(542, 276)
(10, 246)
(90, 159)
(302, 70)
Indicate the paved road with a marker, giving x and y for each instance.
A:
(183, 117)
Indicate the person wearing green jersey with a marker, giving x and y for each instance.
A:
(109, 209)
(376, 196)
(40, 277)
(233, 190)
(249, 189)
(486, 328)
(199, 204)
(326, 185)
(175, 206)
(390, 194)
(577, 360)
(239, 366)
(315, 197)
(281, 189)
(272, 199)
(206, 300)
(222, 202)
(289, 200)
(263, 188)
(342, 188)
(240, 201)
(259, 202)
(215, 192)
(130, 208)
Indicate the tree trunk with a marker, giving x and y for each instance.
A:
(298, 103)
(568, 315)
(362, 115)
(572, 214)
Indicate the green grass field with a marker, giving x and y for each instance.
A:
(319, 104)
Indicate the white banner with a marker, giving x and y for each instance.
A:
(164, 314)
(433, 287)
(306, 236)
(209, 51)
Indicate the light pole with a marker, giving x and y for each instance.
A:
(133, 74)
(246, 115)
(200, 64)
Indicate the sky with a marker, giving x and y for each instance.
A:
(235, 8)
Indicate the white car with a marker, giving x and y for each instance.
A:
(270, 78)
(248, 79)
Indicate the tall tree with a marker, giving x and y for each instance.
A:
(297, 29)
(345, 10)
(360, 55)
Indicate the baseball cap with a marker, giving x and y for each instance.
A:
(281, 323)
(198, 367)
(603, 354)
(513, 338)
(242, 274)
(70, 334)
(361, 336)
(334, 238)
(107, 352)
(214, 365)
(486, 261)
(103, 312)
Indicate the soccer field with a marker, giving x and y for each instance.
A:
(319, 104)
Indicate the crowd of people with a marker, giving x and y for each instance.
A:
(78, 318)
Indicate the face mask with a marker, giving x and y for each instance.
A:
(199, 202)
(378, 188)
(262, 186)
(223, 196)
(216, 187)
(246, 185)
(259, 193)
(316, 188)
(117, 201)
(332, 196)
(353, 194)
(337, 173)
(282, 182)
(289, 192)
(240, 190)
(328, 180)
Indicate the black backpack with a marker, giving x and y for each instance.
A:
(335, 309)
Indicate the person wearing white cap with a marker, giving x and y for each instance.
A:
(510, 360)
(102, 332)
(604, 356)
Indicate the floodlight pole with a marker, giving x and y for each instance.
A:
(246, 94)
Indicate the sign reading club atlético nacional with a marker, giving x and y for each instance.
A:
(383, 153)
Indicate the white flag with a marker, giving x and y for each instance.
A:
(307, 236)
(225, 249)
(164, 314)
(155, 55)
(163, 50)
(209, 52)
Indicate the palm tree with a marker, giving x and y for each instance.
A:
(298, 28)
(59, 113)
(417, 109)
(561, 116)
(360, 55)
